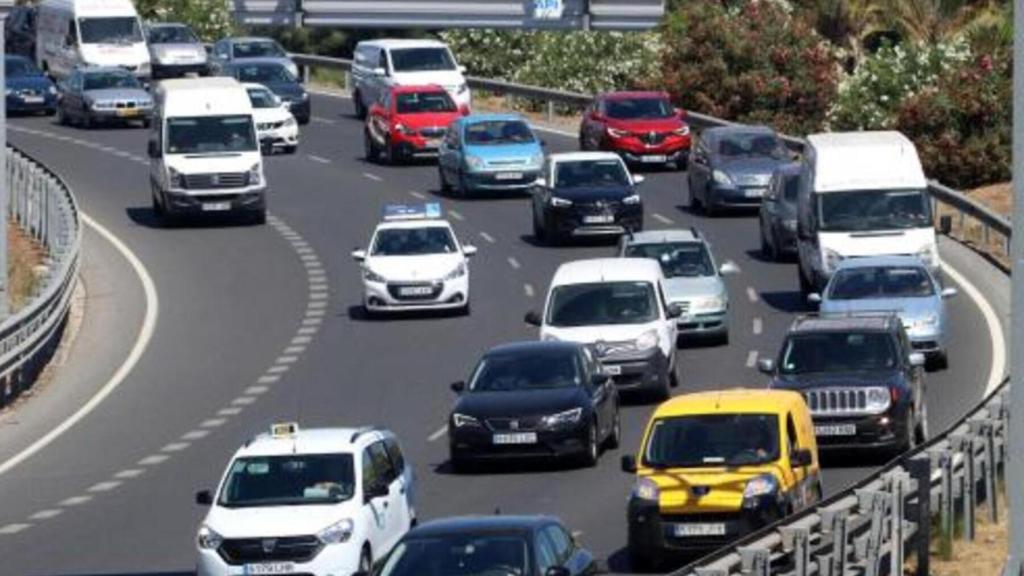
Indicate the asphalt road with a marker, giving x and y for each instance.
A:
(259, 324)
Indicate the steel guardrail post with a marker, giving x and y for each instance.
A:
(920, 468)
(965, 445)
(900, 481)
(755, 561)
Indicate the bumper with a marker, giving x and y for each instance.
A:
(647, 157)
(280, 137)
(739, 196)
(582, 222)
(652, 533)
(334, 560)
(248, 201)
(477, 443)
(930, 342)
(19, 104)
(704, 324)
(642, 371)
(634, 151)
(505, 180)
(410, 146)
(886, 431)
(121, 116)
(443, 295)
(177, 70)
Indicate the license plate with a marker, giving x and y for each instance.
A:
(654, 158)
(216, 206)
(128, 112)
(32, 99)
(753, 192)
(698, 530)
(612, 370)
(433, 143)
(508, 176)
(835, 430)
(415, 290)
(270, 568)
(599, 219)
(516, 438)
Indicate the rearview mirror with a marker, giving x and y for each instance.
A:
(728, 268)
(766, 366)
(800, 458)
(628, 464)
(468, 250)
(204, 498)
(532, 318)
(916, 359)
(814, 298)
(638, 179)
(462, 69)
(949, 292)
(674, 310)
(458, 387)
(359, 255)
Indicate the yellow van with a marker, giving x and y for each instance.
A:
(714, 466)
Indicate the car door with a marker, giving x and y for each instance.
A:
(448, 153)
(396, 521)
(568, 554)
(375, 508)
(800, 487)
(602, 393)
(407, 476)
(698, 169)
(770, 208)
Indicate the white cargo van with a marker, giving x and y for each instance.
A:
(204, 152)
(73, 33)
(861, 194)
(381, 64)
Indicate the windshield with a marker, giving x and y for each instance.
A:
(16, 66)
(110, 30)
(492, 554)
(837, 352)
(107, 80)
(424, 102)
(414, 241)
(881, 282)
(639, 108)
(517, 372)
(602, 303)
(262, 98)
(210, 135)
(289, 480)
(736, 144)
(677, 259)
(591, 174)
(172, 35)
(260, 73)
(259, 49)
(421, 59)
(498, 132)
(874, 210)
(713, 440)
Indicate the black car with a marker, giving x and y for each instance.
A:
(777, 217)
(586, 194)
(29, 91)
(274, 75)
(730, 166)
(534, 399)
(861, 378)
(488, 545)
(20, 31)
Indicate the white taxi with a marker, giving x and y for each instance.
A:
(275, 125)
(329, 501)
(415, 262)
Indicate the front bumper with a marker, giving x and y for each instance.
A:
(280, 137)
(477, 442)
(652, 533)
(17, 103)
(573, 220)
(647, 370)
(214, 202)
(412, 145)
(724, 195)
(634, 151)
(928, 341)
(121, 115)
(333, 560)
(177, 70)
(501, 180)
(884, 431)
(389, 297)
(704, 324)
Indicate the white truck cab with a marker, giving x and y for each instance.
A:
(73, 33)
(380, 64)
(204, 151)
(861, 194)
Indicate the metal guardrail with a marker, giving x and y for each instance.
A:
(42, 205)
(855, 531)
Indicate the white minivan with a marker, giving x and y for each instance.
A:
(72, 33)
(380, 64)
(618, 306)
(204, 151)
(861, 194)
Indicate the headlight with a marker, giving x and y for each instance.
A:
(458, 272)
(337, 533)
(474, 162)
(371, 276)
(646, 489)
(926, 255)
(255, 175)
(878, 400)
(177, 179)
(403, 129)
(52, 89)
(305, 96)
(710, 303)
(721, 177)
(567, 418)
(616, 133)
(461, 420)
(462, 89)
(925, 321)
(647, 340)
(682, 131)
(207, 538)
(537, 159)
(631, 200)
(789, 225)
(290, 122)
(764, 485)
(832, 259)
(560, 202)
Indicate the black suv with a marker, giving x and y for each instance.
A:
(860, 377)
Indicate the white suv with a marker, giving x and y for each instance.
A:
(619, 306)
(380, 64)
(319, 501)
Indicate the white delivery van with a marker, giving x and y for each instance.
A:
(380, 64)
(861, 194)
(204, 152)
(73, 33)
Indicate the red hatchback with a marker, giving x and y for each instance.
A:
(642, 127)
(408, 121)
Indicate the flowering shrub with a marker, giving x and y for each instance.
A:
(210, 19)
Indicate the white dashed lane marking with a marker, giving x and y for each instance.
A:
(153, 460)
(175, 447)
(456, 215)
(417, 195)
(751, 294)
(372, 176)
(487, 237)
(663, 219)
(758, 326)
(751, 358)
(104, 486)
(46, 514)
(193, 435)
(13, 528)
(212, 423)
(129, 473)
(438, 433)
(528, 290)
(75, 500)
(230, 411)
(514, 263)
(319, 159)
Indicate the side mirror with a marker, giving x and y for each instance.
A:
(916, 359)
(814, 298)
(598, 379)
(540, 182)
(728, 268)
(543, 143)
(800, 458)
(462, 69)
(946, 224)
(674, 310)
(557, 571)
(949, 292)
(379, 72)
(458, 387)
(468, 250)
(532, 318)
(766, 366)
(204, 498)
(376, 491)
(359, 255)
(153, 149)
(628, 464)
(638, 179)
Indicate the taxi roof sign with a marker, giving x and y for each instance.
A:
(284, 430)
(425, 211)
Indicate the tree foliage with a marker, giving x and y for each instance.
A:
(210, 19)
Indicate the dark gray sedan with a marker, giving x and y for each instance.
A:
(93, 95)
(731, 166)
(778, 213)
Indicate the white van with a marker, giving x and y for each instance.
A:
(204, 151)
(380, 64)
(861, 194)
(74, 33)
(618, 305)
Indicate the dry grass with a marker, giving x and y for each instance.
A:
(24, 255)
(483, 102)
(999, 197)
(985, 555)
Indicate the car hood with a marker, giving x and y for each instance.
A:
(117, 94)
(684, 288)
(647, 125)
(271, 114)
(208, 163)
(907, 308)
(414, 268)
(749, 169)
(591, 194)
(600, 332)
(37, 82)
(518, 404)
(500, 152)
(850, 379)
(450, 80)
(285, 89)
(279, 521)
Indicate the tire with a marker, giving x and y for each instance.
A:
(369, 148)
(459, 465)
(62, 117)
(681, 164)
(767, 249)
(615, 437)
(357, 100)
(664, 389)
(673, 377)
(462, 188)
(86, 121)
(445, 187)
(805, 286)
(366, 560)
(940, 361)
(465, 310)
(921, 430)
(539, 232)
(259, 218)
(387, 153)
(146, 123)
(639, 562)
(51, 111)
(593, 449)
(158, 209)
(910, 442)
(291, 149)
(723, 340)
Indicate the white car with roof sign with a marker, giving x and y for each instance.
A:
(328, 501)
(415, 262)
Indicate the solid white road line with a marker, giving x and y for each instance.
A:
(438, 433)
(751, 294)
(751, 358)
(662, 219)
(995, 328)
(141, 343)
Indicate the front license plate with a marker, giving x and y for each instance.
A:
(835, 430)
(508, 176)
(270, 568)
(216, 206)
(599, 219)
(32, 99)
(128, 112)
(753, 192)
(698, 530)
(415, 290)
(516, 438)
(654, 158)
(612, 370)
(433, 143)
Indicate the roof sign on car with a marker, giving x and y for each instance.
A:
(425, 211)
(284, 430)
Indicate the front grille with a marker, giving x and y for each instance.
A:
(520, 424)
(269, 125)
(29, 92)
(652, 138)
(516, 162)
(237, 551)
(609, 350)
(396, 290)
(433, 132)
(834, 401)
(216, 180)
(125, 104)
(599, 207)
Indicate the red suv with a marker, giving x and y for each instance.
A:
(408, 121)
(642, 127)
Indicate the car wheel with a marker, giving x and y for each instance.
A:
(615, 437)
(158, 208)
(62, 117)
(680, 164)
(388, 153)
(639, 562)
(369, 148)
(259, 218)
(357, 100)
(51, 111)
(365, 560)
(459, 464)
(463, 189)
(540, 234)
(939, 361)
(724, 338)
(805, 285)
(766, 249)
(291, 149)
(593, 448)
(86, 120)
(673, 377)
(146, 123)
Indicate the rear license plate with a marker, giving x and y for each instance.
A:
(698, 530)
(508, 176)
(128, 112)
(270, 568)
(516, 438)
(835, 430)
(654, 158)
(753, 192)
(415, 290)
(612, 370)
(599, 219)
(216, 206)
(32, 99)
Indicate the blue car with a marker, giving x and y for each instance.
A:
(28, 90)
(489, 152)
